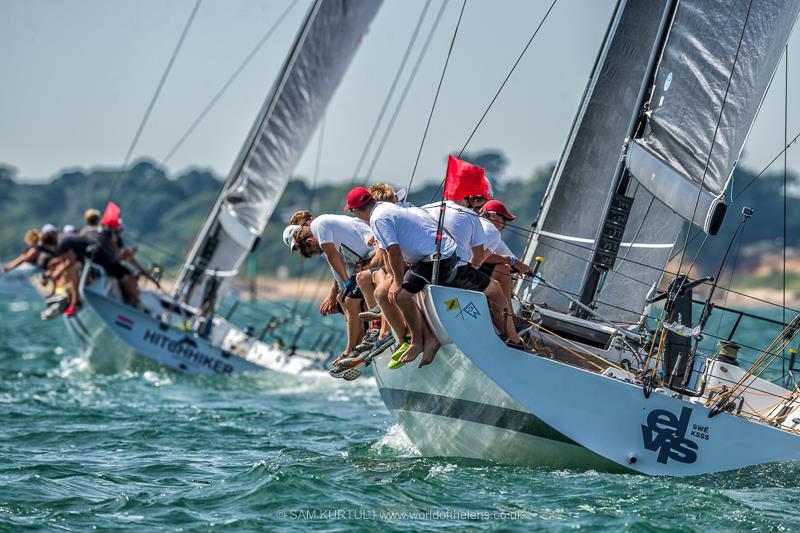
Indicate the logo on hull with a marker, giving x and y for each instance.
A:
(665, 433)
(469, 310)
(186, 349)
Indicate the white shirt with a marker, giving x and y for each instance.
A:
(463, 224)
(411, 228)
(342, 231)
(494, 240)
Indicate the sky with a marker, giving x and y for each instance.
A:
(76, 77)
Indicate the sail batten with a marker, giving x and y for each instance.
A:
(321, 53)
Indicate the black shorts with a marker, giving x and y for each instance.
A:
(419, 274)
(115, 269)
(488, 269)
(469, 278)
(355, 290)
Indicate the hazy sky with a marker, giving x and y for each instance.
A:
(76, 77)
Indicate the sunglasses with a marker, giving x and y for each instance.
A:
(492, 214)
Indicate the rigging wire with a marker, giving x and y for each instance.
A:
(768, 165)
(436, 96)
(406, 89)
(228, 83)
(716, 129)
(785, 170)
(730, 279)
(154, 98)
(499, 90)
(212, 103)
(392, 88)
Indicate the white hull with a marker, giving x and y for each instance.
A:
(659, 435)
(97, 345)
(161, 336)
(451, 409)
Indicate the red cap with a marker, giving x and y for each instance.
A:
(358, 197)
(498, 207)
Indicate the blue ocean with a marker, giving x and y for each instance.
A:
(142, 448)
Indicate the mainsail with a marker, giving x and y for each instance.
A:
(577, 198)
(320, 55)
(714, 72)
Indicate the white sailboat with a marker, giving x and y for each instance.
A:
(181, 330)
(668, 107)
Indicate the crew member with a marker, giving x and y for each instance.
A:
(409, 236)
(344, 241)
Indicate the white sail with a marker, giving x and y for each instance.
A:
(713, 74)
(319, 57)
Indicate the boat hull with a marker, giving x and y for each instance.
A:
(656, 435)
(452, 409)
(181, 349)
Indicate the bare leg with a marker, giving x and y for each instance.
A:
(355, 328)
(73, 277)
(432, 346)
(502, 273)
(416, 323)
(497, 305)
(130, 289)
(367, 286)
(391, 313)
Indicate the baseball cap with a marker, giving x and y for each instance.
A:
(288, 235)
(358, 197)
(498, 207)
(67, 229)
(49, 228)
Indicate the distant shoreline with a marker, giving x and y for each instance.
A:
(270, 287)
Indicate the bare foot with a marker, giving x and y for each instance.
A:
(413, 351)
(431, 348)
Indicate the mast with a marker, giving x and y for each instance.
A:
(618, 206)
(320, 55)
(590, 162)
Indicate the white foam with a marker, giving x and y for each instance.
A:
(441, 471)
(397, 440)
(18, 307)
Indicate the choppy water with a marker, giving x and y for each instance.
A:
(150, 449)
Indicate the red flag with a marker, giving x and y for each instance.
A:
(111, 216)
(464, 179)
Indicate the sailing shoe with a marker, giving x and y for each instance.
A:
(371, 314)
(395, 362)
(71, 310)
(368, 342)
(354, 373)
(57, 297)
(337, 371)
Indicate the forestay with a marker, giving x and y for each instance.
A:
(321, 53)
(714, 72)
(575, 203)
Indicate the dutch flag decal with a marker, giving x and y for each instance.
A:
(124, 322)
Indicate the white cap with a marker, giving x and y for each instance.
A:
(288, 235)
(49, 228)
(69, 228)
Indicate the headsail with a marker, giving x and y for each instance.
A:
(320, 55)
(575, 203)
(714, 72)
